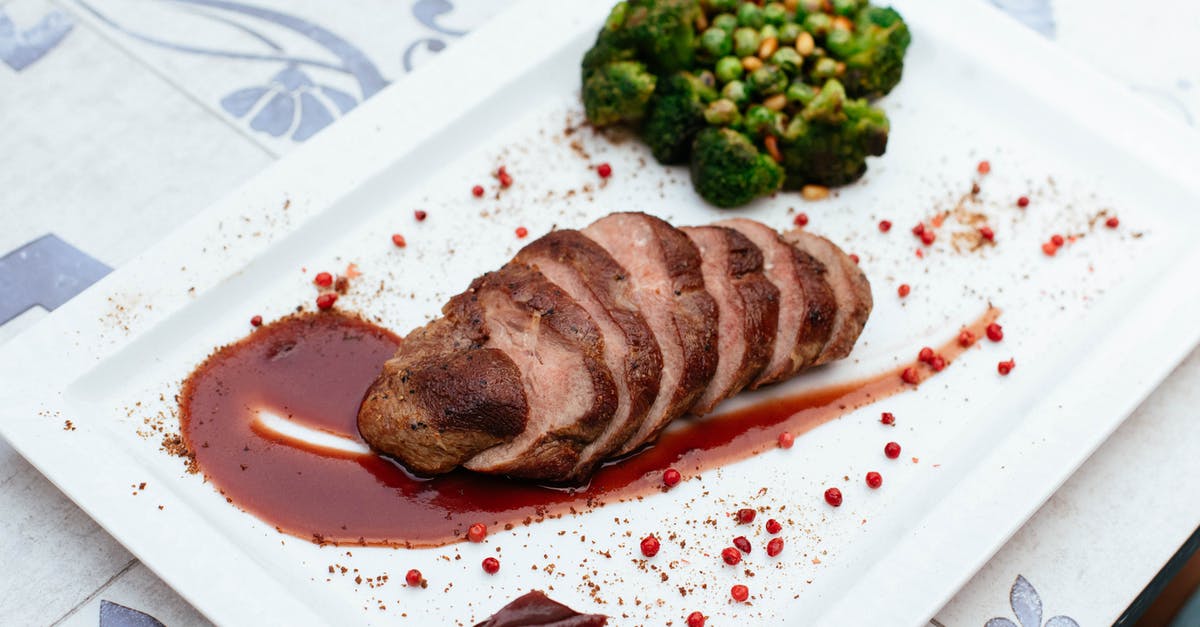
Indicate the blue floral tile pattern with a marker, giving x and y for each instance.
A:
(21, 48)
(1026, 605)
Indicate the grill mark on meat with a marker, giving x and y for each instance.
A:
(851, 290)
(442, 399)
(559, 351)
(806, 303)
(748, 310)
(598, 283)
(664, 268)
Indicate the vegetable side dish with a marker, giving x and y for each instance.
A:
(755, 97)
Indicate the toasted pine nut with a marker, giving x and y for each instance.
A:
(701, 22)
(751, 63)
(805, 44)
(791, 5)
(772, 145)
(776, 102)
(814, 192)
(843, 23)
(768, 47)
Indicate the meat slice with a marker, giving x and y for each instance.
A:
(747, 310)
(559, 352)
(443, 398)
(664, 268)
(806, 302)
(851, 290)
(599, 284)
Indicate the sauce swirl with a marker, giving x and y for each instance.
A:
(310, 371)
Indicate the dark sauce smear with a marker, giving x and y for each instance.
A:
(536, 609)
(312, 369)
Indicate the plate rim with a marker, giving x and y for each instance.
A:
(258, 595)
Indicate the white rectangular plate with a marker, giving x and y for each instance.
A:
(1092, 330)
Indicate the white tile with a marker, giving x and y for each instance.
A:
(236, 60)
(54, 556)
(104, 153)
(142, 590)
(1156, 58)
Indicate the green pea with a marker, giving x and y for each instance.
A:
(800, 92)
(737, 92)
(788, 60)
(723, 112)
(725, 22)
(729, 69)
(749, 14)
(826, 68)
(768, 32)
(745, 41)
(761, 121)
(775, 13)
(818, 23)
(845, 7)
(716, 42)
(788, 33)
(767, 80)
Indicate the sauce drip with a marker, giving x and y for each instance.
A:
(311, 370)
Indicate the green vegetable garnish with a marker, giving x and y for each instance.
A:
(688, 76)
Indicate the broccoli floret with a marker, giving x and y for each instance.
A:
(617, 92)
(873, 52)
(728, 170)
(612, 42)
(660, 33)
(676, 115)
(663, 32)
(829, 141)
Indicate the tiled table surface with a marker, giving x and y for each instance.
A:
(119, 119)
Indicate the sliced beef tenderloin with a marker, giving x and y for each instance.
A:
(664, 268)
(747, 310)
(599, 284)
(850, 288)
(559, 351)
(806, 302)
(443, 398)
